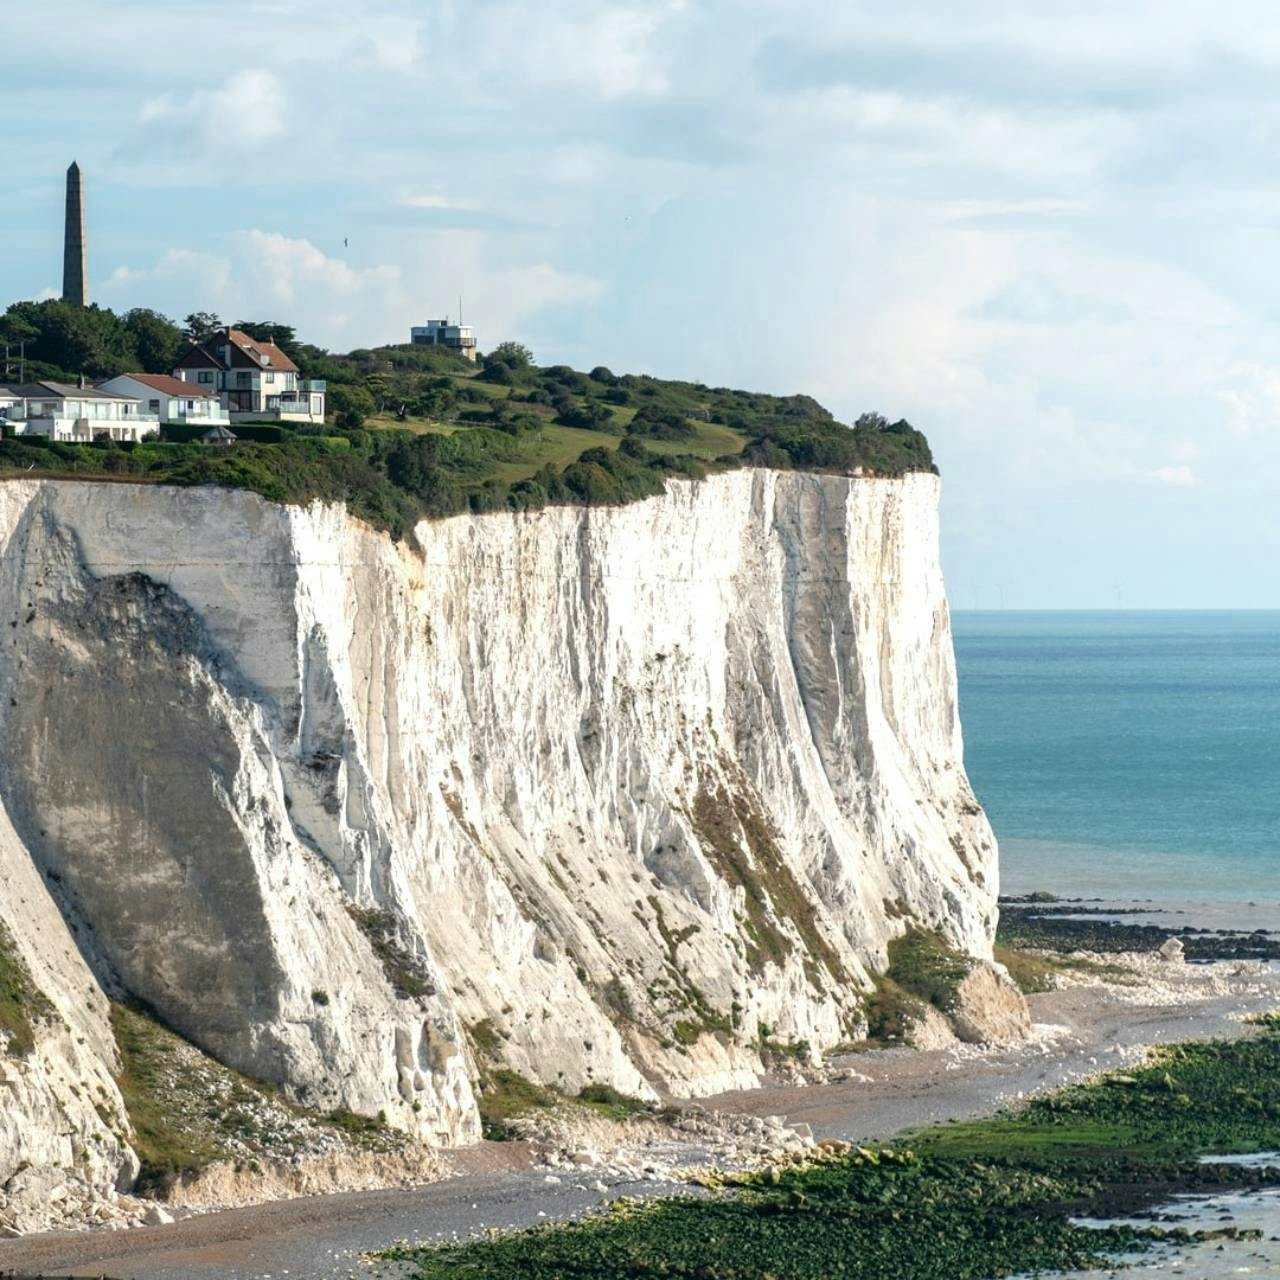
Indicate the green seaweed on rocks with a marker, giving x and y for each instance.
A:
(988, 1198)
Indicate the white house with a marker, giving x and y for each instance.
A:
(440, 333)
(78, 415)
(170, 399)
(253, 379)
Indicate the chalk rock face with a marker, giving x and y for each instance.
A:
(62, 1120)
(990, 1009)
(605, 794)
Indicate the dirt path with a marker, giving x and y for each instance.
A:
(1079, 1031)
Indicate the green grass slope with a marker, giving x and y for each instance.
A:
(417, 432)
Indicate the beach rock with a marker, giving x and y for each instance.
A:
(1173, 951)
(157, 1217)
(990, 1009)
(930, 1030)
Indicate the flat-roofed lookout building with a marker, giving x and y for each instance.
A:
(440, 333)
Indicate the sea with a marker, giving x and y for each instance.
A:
(1128, 755)
(1135, 757)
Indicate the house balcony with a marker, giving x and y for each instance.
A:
(87, 430)
(207, 412)
(286, 407)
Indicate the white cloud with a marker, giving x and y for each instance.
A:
(432, 201)
(247, 113)
(1180, 475)
(1251, 397)
(609, 51)
(267, 275)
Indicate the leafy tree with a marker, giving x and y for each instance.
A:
(591, 415)
(15, 333)
(414, 461)
(14, 327)
(379, 388)
(436, 400)
(351, 406)
(515, 355)
(200, 326)
(661, 424)
(72, 340)
(560, 375)
(157, 341)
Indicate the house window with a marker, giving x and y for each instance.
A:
(242, 379)
(153, 406)
(271, 377)
(206, 375)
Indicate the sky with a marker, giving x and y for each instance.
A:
(1048, 235)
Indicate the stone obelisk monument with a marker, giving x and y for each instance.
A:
(75, 268)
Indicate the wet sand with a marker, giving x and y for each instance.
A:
(1079, 1030)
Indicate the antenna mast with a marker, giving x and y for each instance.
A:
(21, 344)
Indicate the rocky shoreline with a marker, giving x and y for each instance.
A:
(563, 1163)
(1101, 926)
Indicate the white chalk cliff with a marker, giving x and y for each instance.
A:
(604, 790)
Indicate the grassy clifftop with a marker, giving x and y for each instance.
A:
(417, 432)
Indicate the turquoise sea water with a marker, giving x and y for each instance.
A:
(1133, 754)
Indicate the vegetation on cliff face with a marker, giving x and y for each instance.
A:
(188, 1111)
(987, 1198)
(923, 970)
(22, 1003)
(418, 431)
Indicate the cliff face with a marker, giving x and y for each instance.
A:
(598, 792)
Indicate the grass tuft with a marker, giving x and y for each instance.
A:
(407, 975)
(22, 1004)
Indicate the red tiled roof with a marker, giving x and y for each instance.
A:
(168, 386)
(273, 353)
(197, 358)
(248, 349)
